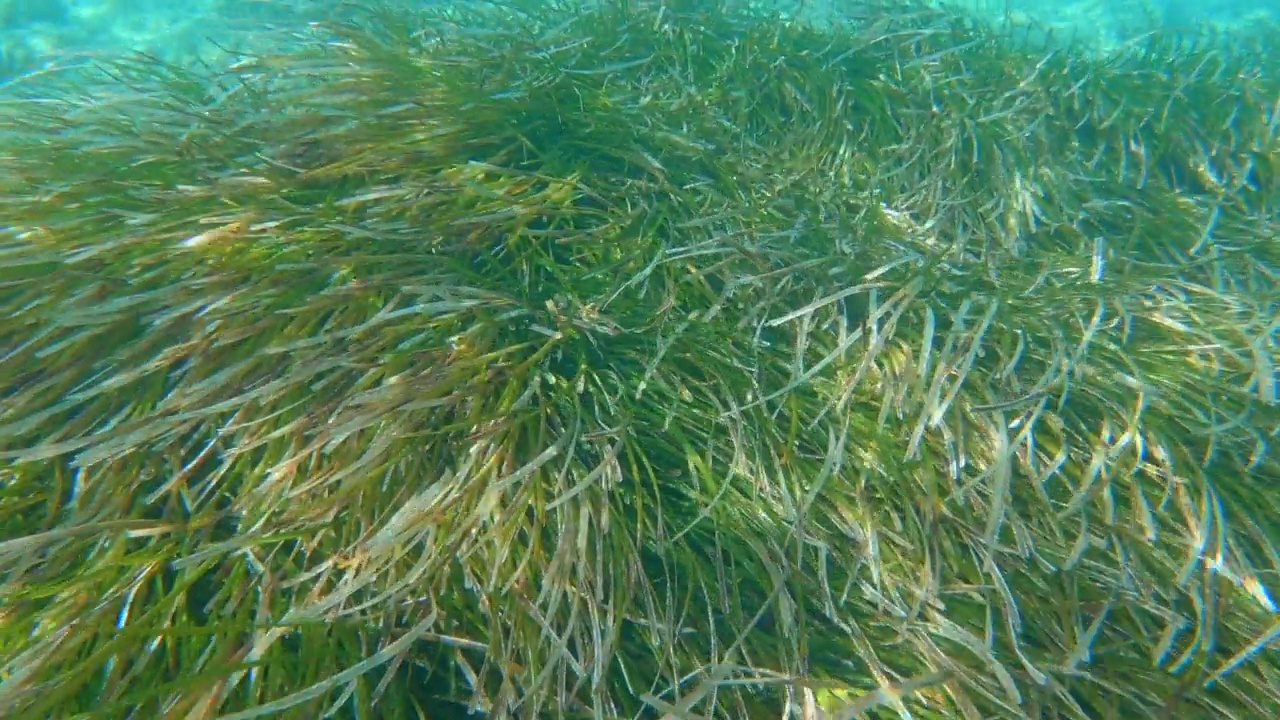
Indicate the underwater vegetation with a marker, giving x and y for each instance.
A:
(656, 360)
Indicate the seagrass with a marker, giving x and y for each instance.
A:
(642, 360)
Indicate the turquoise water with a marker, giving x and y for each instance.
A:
(37, 33)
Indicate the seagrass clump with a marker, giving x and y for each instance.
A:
(642, 360)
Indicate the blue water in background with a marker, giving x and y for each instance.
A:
(36, 33)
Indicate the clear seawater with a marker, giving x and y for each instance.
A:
(36, 33)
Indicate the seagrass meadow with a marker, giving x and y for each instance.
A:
(643, 360)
